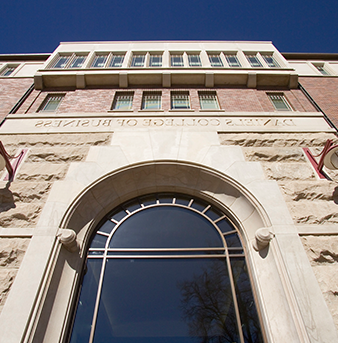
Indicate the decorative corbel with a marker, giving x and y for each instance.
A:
(68, 239)
(263, 237)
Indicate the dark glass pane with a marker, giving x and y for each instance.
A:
(85, 308)
(225, 226)
(162, 253)
(95, 252)
(182, 200)
(131, 206)
(118, 214)
(246, 304)
(99, 241)
(213, 214)
(166, 198)
(148, 200)
(233, 240)
(199, 205)
(166, 227)
(233, 251)
(107, 227)
(171, 300)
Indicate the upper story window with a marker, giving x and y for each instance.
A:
(254, 61)
(116, 61)
(138, 61)
(8, 71)
(99, 61)
(166, 268)
(270, 61)
(155, 61)
(123, 101)
(51, 103)
(176, 61)
(194, 60)
(77, 61)
(322, 69)
(180, 101)
(151, 101)
(215, 60)
(208, 101)
(232, 61)
(279, 102)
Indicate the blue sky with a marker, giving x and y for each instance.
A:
(293, 26)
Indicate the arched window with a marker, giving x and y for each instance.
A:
(166, 268)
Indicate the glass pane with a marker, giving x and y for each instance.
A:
(99, 61)
(118, 214)
(151, 102)
(177, 61)
(98, 241)
(52, 103)
(271, 62)
(215, 61)
(213, 214)
(162, 301)
(279, 102)
(233, 240)
(8, 71)
(199, 205)
(116, 61)
(132, 205)
(107, 227)
(78, 62)
(138, 61)
(85, 307)
(225, 226)
(180, 101)
(155, 61)
(182, 200)
(62, 61)
(254, 61)
(246, 304)
(166, 227)
(233, 61)
(123, 102)
(194, 61)
(208, 102)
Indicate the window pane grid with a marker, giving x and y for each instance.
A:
(99, 61)
(215, 61)
(279, 102)
(8, 71)
(233, 61)
(116, 61)
(52, 103)
(270, 61)
(208, 101)
(123, 102)
(151, 101)
(194, 61)
(138, 61)
(155, 61)
(254, 62)
(180, 101)
(61, 62)
(78, 62)
(176, 60)
(322, 70)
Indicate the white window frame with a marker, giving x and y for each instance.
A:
(218, 56)
(173, 56)
(47, 102)
(8, 68)
(148, 96)
(133, 60)
(96, 57)
(230, 55)
(151, 63)
(119, 96)
(71, 58)
(280, 97)
(180, 94)
(322, 69)
(271, 64)
(250, 56)
(208, 95)
(194, 64)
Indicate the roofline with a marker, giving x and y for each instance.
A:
(310, 56)
(163, 41)
(24, 57)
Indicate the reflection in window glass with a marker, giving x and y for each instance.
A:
(151, 101)
(123, 101)
(116, 61)
(208, 101)
(61, 62)
(279, 102)
(215, 61)
(138, 61)
(254, 62)
(176, 60)
(270, 61)
(78, 62)
(165, 277)
(155, 61)
(180, 101)
(8, 71)
(194, 61)
(51, 103)
(233, 61)
(99, 61)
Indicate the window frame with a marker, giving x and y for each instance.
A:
(174, 94)
(218, 56)
(151, 62)
(251, 57)
(47, 102)
(192, 64)
(280, 97)
(272, 63)
(117, 97)
(96, 57)
(149, 94)
(229, 56)
(134, 58)
(172, 60)
(211, 94)
(8, 68)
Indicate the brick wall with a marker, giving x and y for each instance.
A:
(324, 91)
(11, 90)
(230, 99)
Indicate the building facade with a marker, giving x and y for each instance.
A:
(173, 137)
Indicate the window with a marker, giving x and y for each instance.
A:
(279, 102)
(99, 61)
(61, 62)
(116, 61)
(123, 101)
(51, 103)
(254, 61)
(77, 61)
(8, 71)
(208, 101)
(180, 101)
(176, 60)
(194, 61)
(138, 61)
(155, 61)
(270, 61)
(151, 101)
(233, 61)
(321, 69)
(166, 268)
(215, 61)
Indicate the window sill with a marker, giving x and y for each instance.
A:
(112, 111)
(181, 110)
(151, 110)
(212, 110)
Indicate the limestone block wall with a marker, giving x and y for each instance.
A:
(313, 203)
(22, 200)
